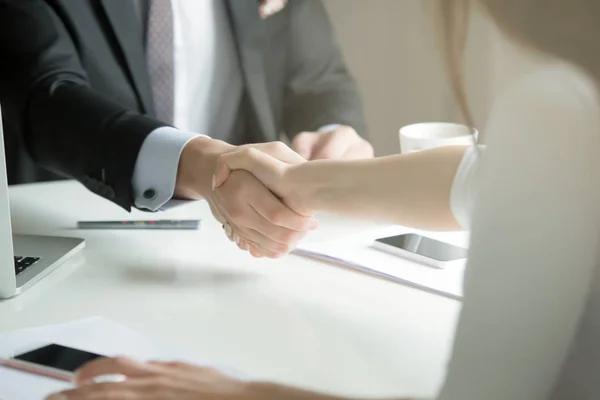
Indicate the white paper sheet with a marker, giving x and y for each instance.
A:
(355, 252)
(96, 335)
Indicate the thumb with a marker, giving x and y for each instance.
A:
(265, 168)
(304, 143)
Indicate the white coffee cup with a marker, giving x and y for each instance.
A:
(429, 135)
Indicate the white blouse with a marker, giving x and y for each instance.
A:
(530, 323)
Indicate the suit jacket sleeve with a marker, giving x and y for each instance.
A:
(320, 89)
(67, 127)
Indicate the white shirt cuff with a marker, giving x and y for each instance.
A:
(328, 127)
(155, 171)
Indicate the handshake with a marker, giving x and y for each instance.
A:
(264, 194)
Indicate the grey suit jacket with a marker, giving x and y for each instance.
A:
(76, 94)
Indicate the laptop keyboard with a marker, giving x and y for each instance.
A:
(22, 263)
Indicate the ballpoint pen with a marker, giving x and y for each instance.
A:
(143, 224)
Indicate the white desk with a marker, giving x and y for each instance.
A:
(292, 320)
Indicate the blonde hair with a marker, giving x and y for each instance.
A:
(566, 29)
(452, 21)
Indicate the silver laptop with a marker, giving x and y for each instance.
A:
(25, 259)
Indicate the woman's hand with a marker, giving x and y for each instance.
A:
(275, 173)
(170, 381)
(151, 380)
(250, 240)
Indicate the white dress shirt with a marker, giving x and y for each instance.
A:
(530, 324)
(208, 89)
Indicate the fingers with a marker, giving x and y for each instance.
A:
(98, 391)
(259, 251)
(185, 370)
(254, 249)
(278, 214)
(255, 252)
(243, 190)
(270, 239)
(332, 145)
(264, 167)
(240, 237)
(278, 240)
(176, 381)
(304, 142)
(251, 209)
(278, 150)
(361, 150)
(260, 159)
(113, 366)
(340, 143)
(244, 244)
(145, 388)
(216, 212)
(228, 229)
(180, 366)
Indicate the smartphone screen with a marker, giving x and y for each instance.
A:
(58, 357)
(425, 247)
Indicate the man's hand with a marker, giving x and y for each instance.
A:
(290, 182)
(340, 143)
(250, 213)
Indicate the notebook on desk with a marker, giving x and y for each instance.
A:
(356, 253)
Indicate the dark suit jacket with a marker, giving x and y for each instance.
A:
(75, 91)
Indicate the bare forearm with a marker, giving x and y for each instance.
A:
(411, 190)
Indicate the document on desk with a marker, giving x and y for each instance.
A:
(97, 335)
(355, 252)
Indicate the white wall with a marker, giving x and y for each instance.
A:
(390, 47)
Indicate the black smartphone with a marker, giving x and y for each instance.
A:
(53, 361)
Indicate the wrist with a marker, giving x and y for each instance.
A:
(321, 185)
(197, 167)
(308, 183)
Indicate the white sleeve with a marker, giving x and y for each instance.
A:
(464, 184)
(155, 171)
(533, 246)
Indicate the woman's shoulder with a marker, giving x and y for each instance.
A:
(544, 103)
(555, 85)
